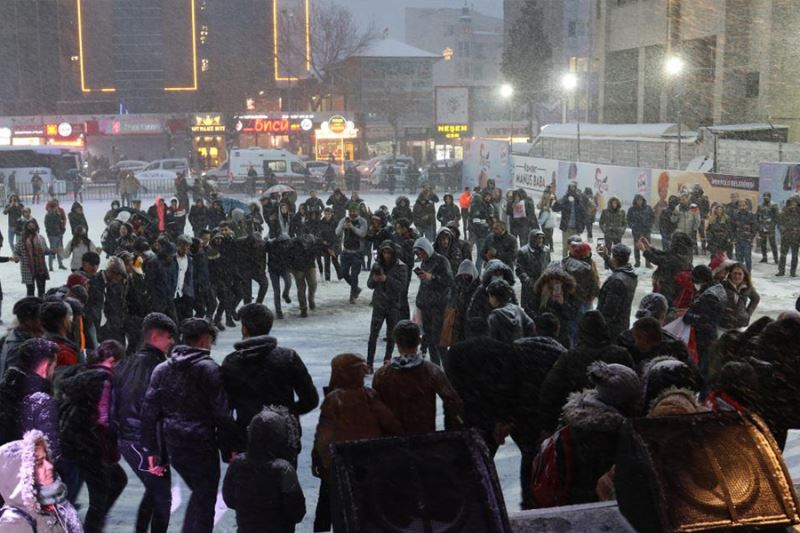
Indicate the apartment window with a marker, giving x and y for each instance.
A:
(204, 65)
(751, 84)
(572, 30)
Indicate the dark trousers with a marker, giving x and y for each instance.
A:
(226, 297)
(432, 319)
(306, 282)
(637, 254)
(205, 302)
(39, 285)
(199, 469)
(528, 447)
(744, 254)
(351, 268)
(184, 308)
(263, 285)
(276, 287)
(465, 223)
(133, 332)
(763, 239)
(322, 516)
(785, 248)
(105, 483)
(379, 316)
(154, 509)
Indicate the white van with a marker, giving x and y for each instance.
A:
(163, 169)
(287, 167)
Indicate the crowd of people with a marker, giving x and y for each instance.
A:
(116, 364)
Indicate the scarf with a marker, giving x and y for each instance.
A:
(34, 255)
(407, 361)
(52, 494)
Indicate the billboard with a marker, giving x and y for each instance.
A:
(291, 39)
(484, 160)
(533, 174)
(605, 181)
(782, 180)
(452, 105)
(718, 187)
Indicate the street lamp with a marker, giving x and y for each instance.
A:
(569, 82)
(673, 68)
(507, 92)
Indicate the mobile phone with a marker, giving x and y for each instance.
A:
(601, 241)
(418, 271)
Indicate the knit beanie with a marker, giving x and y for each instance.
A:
(616, 385)
(652, 305)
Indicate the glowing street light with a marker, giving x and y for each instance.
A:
(569, 82)
(506, 90)
(674, 66)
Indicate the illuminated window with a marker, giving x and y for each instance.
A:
(447, 54)
(204, 65)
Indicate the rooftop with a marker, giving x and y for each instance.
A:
(393, 48)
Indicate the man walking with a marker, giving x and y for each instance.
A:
(352, 230)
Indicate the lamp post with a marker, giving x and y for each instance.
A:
(507, 92)
(569, 82)
(673, 68)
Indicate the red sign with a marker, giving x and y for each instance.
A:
(275, 126)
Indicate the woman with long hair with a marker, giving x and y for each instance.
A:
(31, 249)
(77, 246)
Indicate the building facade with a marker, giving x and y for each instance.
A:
(737, 61)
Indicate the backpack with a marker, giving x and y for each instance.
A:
(21, 513)
(553, 470)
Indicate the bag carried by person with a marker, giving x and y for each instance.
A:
(448, 336)
(553, 470)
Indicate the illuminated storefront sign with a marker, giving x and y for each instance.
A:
(337, 124)
(452, 131)
(208, 124)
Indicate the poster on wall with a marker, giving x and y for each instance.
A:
(717, 187)
(782, 180)
(452, 105)
(484, 160)
(533, 174)
(605, 181)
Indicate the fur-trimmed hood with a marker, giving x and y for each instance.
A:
(585, 411)
(675, 401)
(495, 267)
(555, 273)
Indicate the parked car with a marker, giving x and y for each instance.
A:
(163, 169)
(318, 168)
(445, 174)
(378, 169)
(113, 173)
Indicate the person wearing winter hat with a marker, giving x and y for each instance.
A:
(129, 385)
(35, 498)
(653, 305)
(436, 280)
(261, 485)
(594, 418)
(616, 295)
(664, 372)
(186, 406)
(352, 229)
(507, 321)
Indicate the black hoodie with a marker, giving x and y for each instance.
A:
(260, 373)
(186, 394)
(509, 323)
(616, 297)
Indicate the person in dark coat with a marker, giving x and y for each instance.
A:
(503, 243)
(409, 386)
(595, 418)
(205, 302)
(778, 345)
(767, 220)
(507, 321)
(554, 293)
(26, 400)
(14, 211)
(743, 299)
(647, 340)
(26, 310)
(55, 227)
(224, 267)
(303, 253)
(199, 216)
(464, 245)
(789, 226)
(448, 211)
(436, 280)
(466, 284)
(533, 359)
(568, 375)
(745, 229)
(613, 222)
(261, 485)
(616, 295)
(402, 209)
(261, 373)
(129, 385)
(351, 230)
(481, 215)
(186, 407)
(349, 412)
(678, 258)
(324, 230)
(388, 280)
(338, 201)
(532, 260)
(704, 315)
(479, 309)
(76, 217)
(424, 215)
(447, 246)
(216, 214)
(573, 214)
(521, 214)
(640, 219)
(278, 264)
(718, 232)
(87, 438)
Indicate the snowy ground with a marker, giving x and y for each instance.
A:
(337, 327)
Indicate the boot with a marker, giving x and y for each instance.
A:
(764, 259)
(229, 321)
(781, 273)
(303, 313)
(279, 315)
(218, 325)
(286, 298)
(312, 305)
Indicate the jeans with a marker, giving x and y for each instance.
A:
(40, 286)
(276, 287)
(198, 466)
(305, 280)
(56, 243)
(565, 235)
(432, 321)
(351, 268)
(480, 247)
(12, 236)
(744, 253)
(379, 316)
(155, 506)
(105, 483)
(636, 252)
(263, 285)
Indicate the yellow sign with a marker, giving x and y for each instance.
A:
(452, 131)
(208, 124)
(337, 124)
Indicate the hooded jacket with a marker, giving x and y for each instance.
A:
(641, 218)
(388, 294)
(543, 301)
(424, 213)
(448, 212)
(670, 262)
(186, 397)
(479, 309)
(570, 210)
(532, 260)
(505, 246)
(744, 225)
(77, 219)
(11, 343)
(534, 357)
(612, 220)
(261, 373)
(467, 282)
(261, 485)
(509, 323)
(19, 490)
(402, 209)
(435, 293)
(616, 298)
(453, 252)
(569, 375)
(25, 404)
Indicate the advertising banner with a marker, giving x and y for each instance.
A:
(605, 181)
(533, 174)
(717, 187)
(782, 180)
(485, 160)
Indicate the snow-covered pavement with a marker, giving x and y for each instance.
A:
(334, 327)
